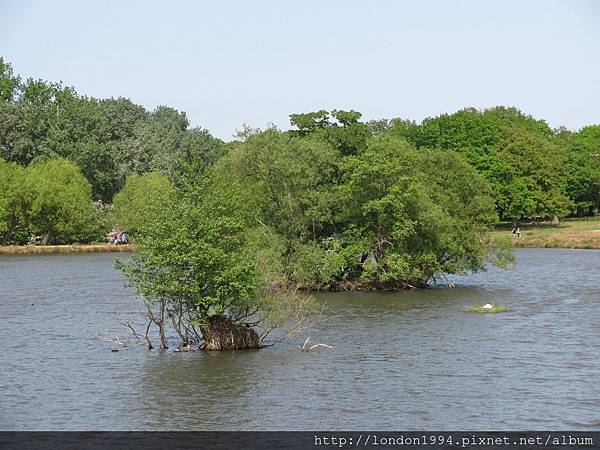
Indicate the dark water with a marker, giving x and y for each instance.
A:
(411, 360)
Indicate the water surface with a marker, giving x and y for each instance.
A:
(412, 360)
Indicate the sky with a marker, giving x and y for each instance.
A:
(230, 63)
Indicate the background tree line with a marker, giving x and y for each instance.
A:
(533, 171)
(105, 141)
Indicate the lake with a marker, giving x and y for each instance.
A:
(403, 361)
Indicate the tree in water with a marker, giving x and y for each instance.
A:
(209, 275)
(363, 212)
(231, 254)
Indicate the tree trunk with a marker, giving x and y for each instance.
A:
(6, 236)
(224, 334)
(11, 228)
(47, 238)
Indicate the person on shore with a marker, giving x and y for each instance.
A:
(516, 230)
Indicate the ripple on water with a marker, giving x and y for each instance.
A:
(412, 360)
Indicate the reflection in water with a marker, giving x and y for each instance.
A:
(410, 360)
(208, 390)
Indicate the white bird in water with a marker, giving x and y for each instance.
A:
(488, 306)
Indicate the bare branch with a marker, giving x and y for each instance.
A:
(139, 336)
(306, 348)
(115, 339)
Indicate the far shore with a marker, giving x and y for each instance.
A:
(581, 233)
(72, 248)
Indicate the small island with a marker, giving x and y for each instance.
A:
(488, 308)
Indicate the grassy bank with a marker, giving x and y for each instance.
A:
(74, 248)
(571, 233)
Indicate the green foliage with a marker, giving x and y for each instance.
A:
(520, 156)
(50, 198)
(191, 252)
(419, 213)
(333, 202)
(342, 129)
(287, 210)
(407, 214)
(465, 129)
(312, 265)
(539, 177)
(283, 180)
(310, 122)
(108, 139)
(122, 116)
(8, 82)
(141, 199)
(534, 172)
(59, 199)
(13, 206)
(584, 167)
(199, 257)
(325, 206)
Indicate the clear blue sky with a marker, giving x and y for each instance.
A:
(230, 62)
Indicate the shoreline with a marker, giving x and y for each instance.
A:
(581, 234)
(69, 248)
(550, 242)
(557, 243)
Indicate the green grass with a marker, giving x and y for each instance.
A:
(571, 233)
(481, 309)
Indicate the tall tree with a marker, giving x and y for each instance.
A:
(205, 272)
(141, 199)
(584, 168)
(60, 199)
(13, 200)
(9, 83)
(505, 146)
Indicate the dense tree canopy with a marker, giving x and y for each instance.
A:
(141, 199)
(205, 270)
(107, 139)
(383, 203)
(524, 160)
(534, 171)
(50, 199)
(60, 199)
(13, 199)
(583, 182)
(324, 207)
